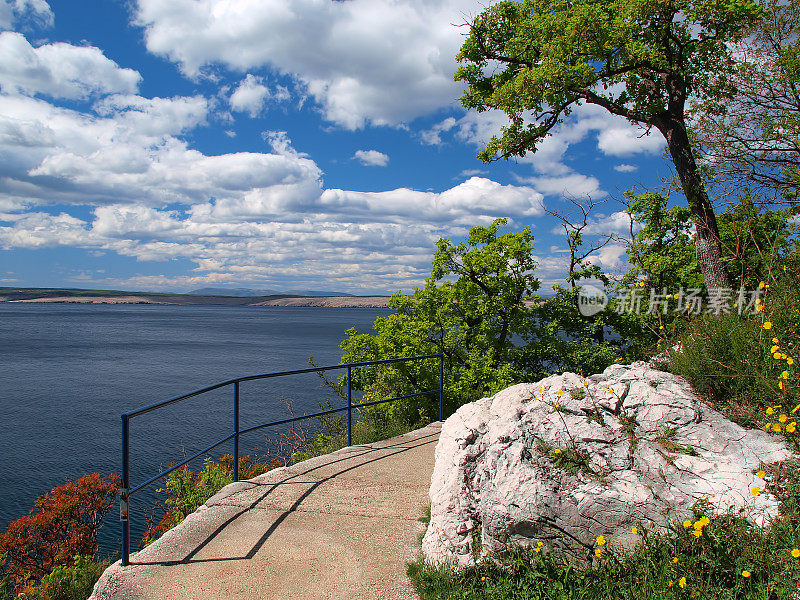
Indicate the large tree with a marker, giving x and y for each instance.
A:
(641, 59)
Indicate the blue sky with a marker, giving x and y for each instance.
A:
(283, 144)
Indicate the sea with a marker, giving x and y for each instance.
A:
(68, 371)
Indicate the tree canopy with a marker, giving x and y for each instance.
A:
(471, 309)
(537, 60)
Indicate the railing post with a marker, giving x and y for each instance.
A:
(349, 407)
(441, 386)
(236, 431)
(124, 505)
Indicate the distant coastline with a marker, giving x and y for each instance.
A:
(77, 296)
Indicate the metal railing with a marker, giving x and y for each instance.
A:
(127, 491)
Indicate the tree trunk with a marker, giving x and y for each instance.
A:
(708, 247)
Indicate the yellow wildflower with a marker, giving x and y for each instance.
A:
(676, 296)
(791, 427)
(783, 418)
(687, 523)
(537, 550)
(795, 409)
(682, 582)
(780, 384)
(761, 474)
(540, 544)
(745, 574)
(586, 382)
(789, 360)
(796, 552)
(483, 578)
(675, 560)
(755, 491)
(776, 355)
(767, 426)
(770, 411)
(698, 533)
(767, 325)
(601, 541)
(597, 552)
(669, 583)
(560, 393)
(761, 285)
(774, 349)
(775, 340)
(785, 375)
(634, 530)
(705, 520)
(776, 428)
(557, 451)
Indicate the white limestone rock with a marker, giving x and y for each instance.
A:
(651, 450)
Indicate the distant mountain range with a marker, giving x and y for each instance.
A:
(246, 293)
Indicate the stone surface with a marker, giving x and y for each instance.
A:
(632, 446)
(336, 527)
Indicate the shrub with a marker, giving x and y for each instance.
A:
(73, 582)
(63, 525)
(746, 364)
(186, 490)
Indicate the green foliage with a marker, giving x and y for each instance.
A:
(186, 490)
(471, 310)
(662, 251)
(636, 58)
(71, 582)
(564, 340)
(754, 240)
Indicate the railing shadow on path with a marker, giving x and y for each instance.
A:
(394, 450)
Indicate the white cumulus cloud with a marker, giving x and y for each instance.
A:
(12, 11)
(371, 158)
(60, 70)
(251, 95)
(383, 62)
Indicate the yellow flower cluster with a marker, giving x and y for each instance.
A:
(790, 427)
(698, 526)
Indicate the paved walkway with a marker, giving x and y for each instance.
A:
(341, 526)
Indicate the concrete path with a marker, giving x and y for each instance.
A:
(338, 526)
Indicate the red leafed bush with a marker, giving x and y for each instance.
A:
(63, 525)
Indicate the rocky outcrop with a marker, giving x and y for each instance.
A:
(569, 458)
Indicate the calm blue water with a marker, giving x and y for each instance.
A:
(67, 372)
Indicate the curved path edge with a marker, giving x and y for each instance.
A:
(339, 526)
